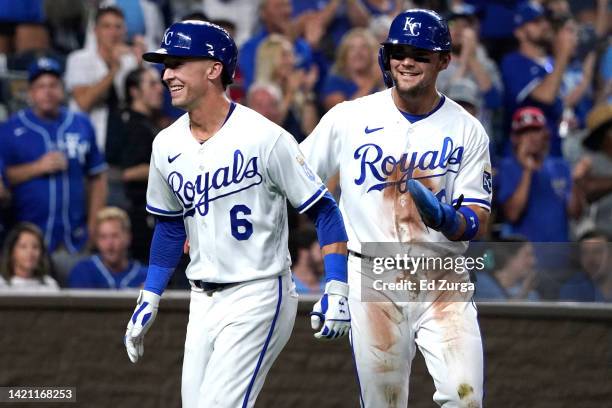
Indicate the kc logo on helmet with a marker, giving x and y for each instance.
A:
(412, 26)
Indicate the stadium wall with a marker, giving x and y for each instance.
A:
(536, 355)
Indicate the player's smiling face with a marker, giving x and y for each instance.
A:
(415, 70)
(189, 80)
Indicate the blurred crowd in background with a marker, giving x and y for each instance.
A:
(79, 110)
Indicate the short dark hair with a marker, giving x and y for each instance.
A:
(102, 11)
(302, 238)
(133, 80)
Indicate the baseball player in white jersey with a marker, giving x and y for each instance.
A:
(414, 168)
(220, 176)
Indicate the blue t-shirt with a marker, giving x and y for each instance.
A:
(580, 288)
(336, 83)
(521, 75)
(248, 54)
(57, 203)
(134, 17)
(488, 288)
(498, 17)
(303, 289)
(91, 273)
(544, 218)
(22, 11)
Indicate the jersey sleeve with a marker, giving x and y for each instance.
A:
(160, 198)
(520, 82)
(474, 180)
(77, 72)
(290, 174)
(322, 147)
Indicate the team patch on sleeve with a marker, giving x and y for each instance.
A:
(487, 179)
(302, 162)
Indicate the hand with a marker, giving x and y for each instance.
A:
(332, 312)
(524, 156)
(439, 216)
(52, 162)
(117, 53)
(314, 29)
(565, 42)
(139, 324)
(582, 169)
(469, 43)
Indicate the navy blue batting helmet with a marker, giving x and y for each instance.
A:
(419, 28)
(198, 39)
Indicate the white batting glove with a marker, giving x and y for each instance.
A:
(139, 324)
(332, 312)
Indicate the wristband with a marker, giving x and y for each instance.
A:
(335, 267)
(472, 224)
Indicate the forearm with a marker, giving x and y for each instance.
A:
(329, 11)
(515, 205)
(23, 172)
(335, 248)
(601, 19)
(332, 237)
(87, 97)
(483, 80)
(548, 89)
(576, 202)
(357, 14)
(166, 250)
(97, 191)
(140, 172)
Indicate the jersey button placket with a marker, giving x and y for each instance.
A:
(200, 155)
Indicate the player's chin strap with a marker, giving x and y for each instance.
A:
(441, 216)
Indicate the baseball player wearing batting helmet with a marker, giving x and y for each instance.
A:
(414, 168)
(220, 176)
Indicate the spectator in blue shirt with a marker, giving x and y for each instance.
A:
(55, 171)
(530, 76)
(593, 281)
(275, 17)
(111, 268)
(355, 72)
(513, 274)
(535, 190)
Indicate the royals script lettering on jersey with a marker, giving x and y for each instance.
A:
(376, 150)
(231, 194)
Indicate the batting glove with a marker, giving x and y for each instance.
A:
(436, 215)
(331, 313)
(139, 324)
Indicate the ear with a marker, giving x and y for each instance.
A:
(445, 59)
(215, 70)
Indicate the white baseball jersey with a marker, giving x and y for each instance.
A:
(230, 191)
(377, 150)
